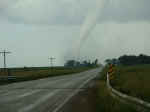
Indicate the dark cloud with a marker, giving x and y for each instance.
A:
(72, 11)
(127, 10)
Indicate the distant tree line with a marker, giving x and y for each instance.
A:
(130, 60)
(85, 63)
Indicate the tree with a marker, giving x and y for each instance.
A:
(70, 63)
(96, 62)
(108, 61)
(133, 60)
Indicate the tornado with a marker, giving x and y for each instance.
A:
(90, 23)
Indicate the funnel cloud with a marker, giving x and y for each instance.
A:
(90, 23)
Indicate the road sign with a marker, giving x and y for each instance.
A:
(111, 71)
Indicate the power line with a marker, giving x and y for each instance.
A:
(51, 61)
(4, 54)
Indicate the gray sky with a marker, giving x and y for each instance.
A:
(33, 30)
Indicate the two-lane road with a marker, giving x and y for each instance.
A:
(44, 95)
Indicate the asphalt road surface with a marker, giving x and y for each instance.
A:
(44, 95)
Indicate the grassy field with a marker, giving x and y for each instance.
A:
(105, 103)
(133, 80)
(25, 74)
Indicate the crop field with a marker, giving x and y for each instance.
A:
(25, 74)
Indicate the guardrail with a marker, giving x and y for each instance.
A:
(138, 104)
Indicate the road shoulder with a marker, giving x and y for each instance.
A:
(84, 101)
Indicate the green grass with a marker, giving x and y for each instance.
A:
(38, 73)
(105, 102)
(133, 80)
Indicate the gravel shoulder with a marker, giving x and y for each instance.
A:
(84, 101)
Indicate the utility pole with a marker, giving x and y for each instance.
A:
(5, 67)
(4, 54)
(51, 61)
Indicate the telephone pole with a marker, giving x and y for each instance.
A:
(51, 61)
(4, 54)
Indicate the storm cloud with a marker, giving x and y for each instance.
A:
(33, 30)
(71, 11)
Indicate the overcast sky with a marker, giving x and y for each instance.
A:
(34, 30)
